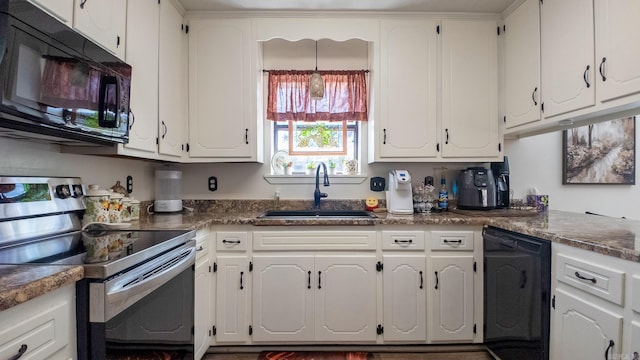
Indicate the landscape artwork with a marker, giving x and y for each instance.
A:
(603, 153)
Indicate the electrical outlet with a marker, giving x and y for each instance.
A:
(213, 183)
(377, 183)
(129, 184)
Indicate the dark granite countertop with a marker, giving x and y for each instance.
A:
(610, 236)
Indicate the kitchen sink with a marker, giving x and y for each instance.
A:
(316, 214)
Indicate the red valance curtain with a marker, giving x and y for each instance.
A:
(345, 96)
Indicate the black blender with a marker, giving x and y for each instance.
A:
(501, 173)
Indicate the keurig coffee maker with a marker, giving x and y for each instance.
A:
(501, 173)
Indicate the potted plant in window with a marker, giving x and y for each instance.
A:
(309, 169)
(332, 167)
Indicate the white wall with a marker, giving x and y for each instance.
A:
(18, 157)
(537, 161)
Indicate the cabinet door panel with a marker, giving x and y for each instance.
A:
(567, 51)
(452, 296)
(404, 300)
(283, 288)
(172, 83)
(104, 22)
(617, 32)
(522, 64)
(583, 330)
(345, 298)
(143, 27)
(470, 88)
(232, 294)
(408, 103)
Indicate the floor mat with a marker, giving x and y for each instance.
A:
(314, 355)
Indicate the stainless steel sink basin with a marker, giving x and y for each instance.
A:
(316, 214)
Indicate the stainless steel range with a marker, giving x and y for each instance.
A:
(136, 298)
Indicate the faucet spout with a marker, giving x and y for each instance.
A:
(317, 195)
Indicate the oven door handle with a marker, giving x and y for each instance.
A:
(125, 290)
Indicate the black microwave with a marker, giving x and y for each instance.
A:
(56, 85)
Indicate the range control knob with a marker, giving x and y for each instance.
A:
(63, 191)
(77, 190)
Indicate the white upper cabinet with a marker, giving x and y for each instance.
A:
(470, 122)
(408, 124)
(104, 22)
(172, 80)
(143, 27)
(617, 48)
(60, 9)
(522, 64)
(568, 71)
(223, 91)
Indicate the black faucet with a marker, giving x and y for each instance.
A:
(317, 195)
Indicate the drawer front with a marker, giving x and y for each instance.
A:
(635, 293)
(603, 282)
(43, 328)
(314, 240)
(452, 240)
(402, 240)
(231, 241)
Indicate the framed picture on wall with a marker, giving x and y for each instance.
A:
(602, 153)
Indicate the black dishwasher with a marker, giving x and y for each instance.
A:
(517, 282)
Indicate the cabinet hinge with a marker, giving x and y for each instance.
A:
(213, 330)
(188, 147)
(215, 267)
(438, 29)
(117, 40)
(504, 28)
(541, 2)
(157, 141)
(379, 329)
(379, 266)
(438, 147)
(186, 29)
(193, 330)
(553, 302)
(498, 30)
(475, 266)
(210, 268)
(250, 265)
(475, 329)
(158, 2)
(499, 147)
(542, 107)
(504, 119)
(250, 330)
(182, 147)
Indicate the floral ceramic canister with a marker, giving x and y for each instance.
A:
(125, 213)
(96, 202)
(115, 207)
(135, 209)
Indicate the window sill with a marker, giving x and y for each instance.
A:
(311, 179)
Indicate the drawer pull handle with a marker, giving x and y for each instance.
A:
(199, 248)
(421, 280)
(585, 76)
(309, 280)
(21, 351)
(606, 352)
(453, 241)
(579, 276)
(403, 241)
(437, 280)
(225, 241)
(241, 275)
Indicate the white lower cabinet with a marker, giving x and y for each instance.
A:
(594, 311)
(314, 298)
(42, 328)
(232, 299)
(202, 322)
(404, 298)
(452, 296)
(584, 330)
